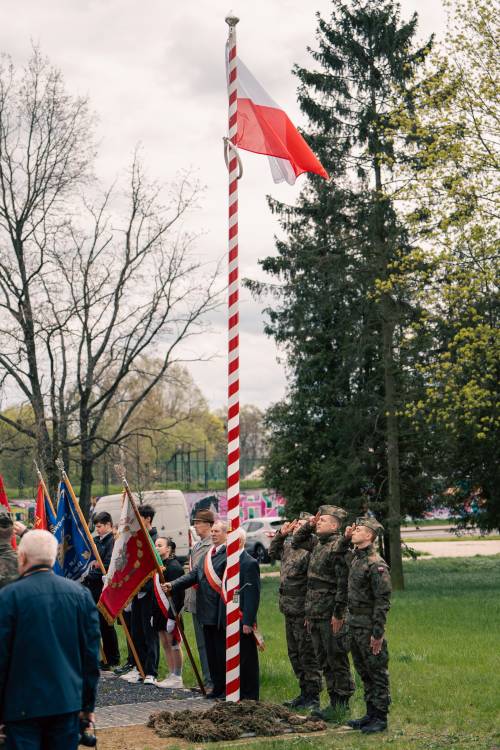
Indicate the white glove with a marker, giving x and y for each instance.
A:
(170, 625)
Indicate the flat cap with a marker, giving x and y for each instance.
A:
(370, 523)
(332, 510)
(205, 516)
(6, 521)
(304, 515)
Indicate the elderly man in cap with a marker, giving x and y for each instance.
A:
(8, 556)
(369, 599)
(326, 604)
(292, 597)
(203, 522)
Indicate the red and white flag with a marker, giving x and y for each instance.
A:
(4, 501)
(264, 128)
(133, 561)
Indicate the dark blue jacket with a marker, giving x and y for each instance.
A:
(250, 595)
(49, 647)
(207, 600)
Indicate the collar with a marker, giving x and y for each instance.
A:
(102, 538)
(218, 549)
(37, 569)
(364, 551)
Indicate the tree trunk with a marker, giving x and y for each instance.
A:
(392, 435)
(86, 479)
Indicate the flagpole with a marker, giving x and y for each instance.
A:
(44, 487)
(121, 472)
(97, 556)
(233, 413)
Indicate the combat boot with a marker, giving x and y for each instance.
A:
(310, 701)
(336, 711)
(360, 723)
(297, 702)
(378, 723)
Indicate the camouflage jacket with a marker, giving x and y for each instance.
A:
(293, 573)
(369, 594)
(327, 574)
(8, 564)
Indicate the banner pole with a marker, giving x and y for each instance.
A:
(44, 487)
(98, 558)
(159, 569)
(233, 413)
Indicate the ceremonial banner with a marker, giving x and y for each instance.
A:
(4, 501)
(133, 561)
(44, 512)
(75, 553)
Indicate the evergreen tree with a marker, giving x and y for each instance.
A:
(342, 312)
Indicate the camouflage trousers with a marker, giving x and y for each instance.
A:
(302, 656)
(372, 669)
(332, 654)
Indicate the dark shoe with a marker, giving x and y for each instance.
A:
(330, 714)
(105, 666)
(213, 696)
(377, 724)
(297, 702)
(359, 723)
(310, 701)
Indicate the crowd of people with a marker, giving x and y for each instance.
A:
(334, 594)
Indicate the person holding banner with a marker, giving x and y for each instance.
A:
(8, 556)
(208, 577)
(104, 542)
(163, 619)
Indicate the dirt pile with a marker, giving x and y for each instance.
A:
(231, 721)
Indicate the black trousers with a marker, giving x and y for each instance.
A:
(215, 644)
(108, 633)
(145, 638)
(249, 668)
(46, 733)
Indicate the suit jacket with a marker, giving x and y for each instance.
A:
(207, 600)
(196, 555)
(250, 594)
(49, 647)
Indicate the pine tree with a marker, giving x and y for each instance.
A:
(342, 311)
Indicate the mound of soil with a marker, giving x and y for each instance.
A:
(231, 721)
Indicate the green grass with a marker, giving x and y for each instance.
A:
(443, 634)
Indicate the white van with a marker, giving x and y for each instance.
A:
(171, 515)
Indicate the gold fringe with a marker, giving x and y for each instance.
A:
(107, 614)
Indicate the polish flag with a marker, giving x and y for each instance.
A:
(264, 128)
(5, 503)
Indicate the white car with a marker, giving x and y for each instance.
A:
(260, 531)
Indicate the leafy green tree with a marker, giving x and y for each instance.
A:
(341, 313)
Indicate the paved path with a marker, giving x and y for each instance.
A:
(130, 714)
(459, 549)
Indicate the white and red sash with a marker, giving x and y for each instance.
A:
(213, 579)
(164, 605)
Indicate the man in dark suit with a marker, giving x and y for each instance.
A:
(104, 541)
(208, 576)
(49, 652)
(249, 605)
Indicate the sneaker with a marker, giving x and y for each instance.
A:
(149, 680)
(173, 681)
(123, 669)
(132, 676)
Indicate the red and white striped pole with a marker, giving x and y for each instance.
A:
(233, 414)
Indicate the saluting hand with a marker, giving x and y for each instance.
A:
(349, 530)
(337, 625)
(314, 520)
(285, 529)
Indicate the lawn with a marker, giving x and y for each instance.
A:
(444, 643)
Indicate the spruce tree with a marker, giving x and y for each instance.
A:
(341, 313)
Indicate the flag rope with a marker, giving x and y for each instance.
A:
(233, 414)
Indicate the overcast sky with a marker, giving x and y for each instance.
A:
(154, 73)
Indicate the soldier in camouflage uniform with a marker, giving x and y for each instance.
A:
(8, 556)
(293, 586)
(326, 603)
(369, 599)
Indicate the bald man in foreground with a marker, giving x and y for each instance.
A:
(49, 652)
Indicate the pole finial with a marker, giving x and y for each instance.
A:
(231, 20)
(60, 464)
(121, 473)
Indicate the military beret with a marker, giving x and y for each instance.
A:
(5, 521)
(205, 516)
(370, 523)
(332, 510)
(303, 515)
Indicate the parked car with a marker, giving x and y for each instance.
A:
(260, 531)
(171, 515)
